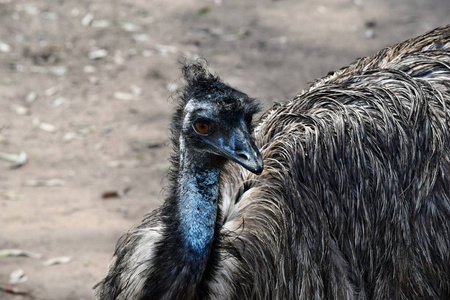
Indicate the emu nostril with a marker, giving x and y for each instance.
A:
(243, 156)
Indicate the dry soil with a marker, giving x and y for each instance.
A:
(89, 126)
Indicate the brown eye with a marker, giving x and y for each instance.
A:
(202, 127)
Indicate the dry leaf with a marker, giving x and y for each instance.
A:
(40, 182)
(57, 261)
(17, 160)
(18, 252)
(116, 194)
(17, 276)
(13, 290)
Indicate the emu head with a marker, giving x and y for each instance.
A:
(214, 121)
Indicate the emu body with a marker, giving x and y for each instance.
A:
(353, 202)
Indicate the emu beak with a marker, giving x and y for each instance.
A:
(241, 149)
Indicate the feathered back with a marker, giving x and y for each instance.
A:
(354, 202)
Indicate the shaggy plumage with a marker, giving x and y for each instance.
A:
(353, 202)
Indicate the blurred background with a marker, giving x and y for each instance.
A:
(85, 104)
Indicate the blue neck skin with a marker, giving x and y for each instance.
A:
(199, 189)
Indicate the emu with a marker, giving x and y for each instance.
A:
(352, 200)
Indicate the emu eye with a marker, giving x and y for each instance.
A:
(202, 127)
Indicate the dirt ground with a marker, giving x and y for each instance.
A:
(92, 121)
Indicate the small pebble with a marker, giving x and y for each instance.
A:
(140, 37)
(97, 54)
(87, 19)
(47, 127)
(52, 91)
(5, 48)
(132, 52)
(75, 12)
(58, 101)
(136, 90)
(89, 69)
(59, 70)
(123, 210)
(68, 136)
(21, 110)
(31, 9)
(123, 96)
(128, 27)
(370, 33)
(31, 97)
(48, 15)
(19, 37)
(166, 49)
(100, 24)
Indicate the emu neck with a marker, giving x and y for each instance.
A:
(190, 215)
(198, 196)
